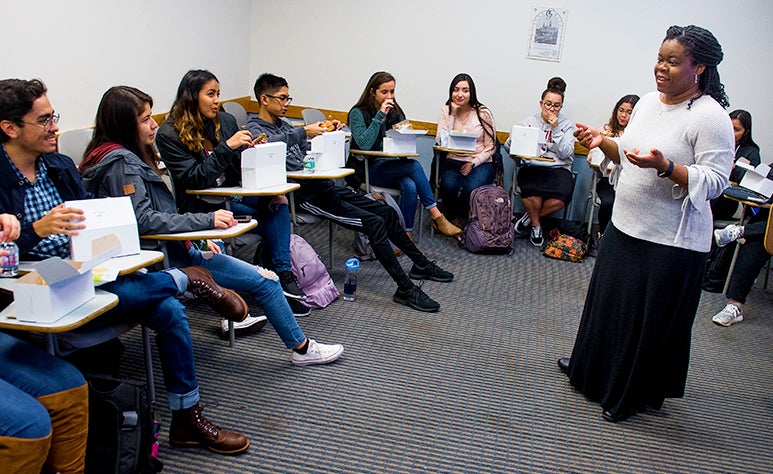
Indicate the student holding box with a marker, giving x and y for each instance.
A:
(120, 161)
(460, 174)
(374, 113)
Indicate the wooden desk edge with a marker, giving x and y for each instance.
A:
(326, 174)
(383, 154)
(226, 234)
(38, 327)
(269, 191)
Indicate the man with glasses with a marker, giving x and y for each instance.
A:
(347, 208)
(35, 182)
(547, 186)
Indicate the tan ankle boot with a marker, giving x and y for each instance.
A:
(190, 428)
(442, 225)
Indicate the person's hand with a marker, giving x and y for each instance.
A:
(224, 219)
(465, 169)
(337, 123)
(653, 159)
(550, 118)
(10, 227)
(588, 136)
(259, 140)
(314, 129)
(213, 247)
(454, 108)
(387, 105)
(60, 220)
(240, 139)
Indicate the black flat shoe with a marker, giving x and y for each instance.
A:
(563, 364)
(614, 418)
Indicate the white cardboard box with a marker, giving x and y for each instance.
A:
(402, 141)
(756, 179)
(462, 141)
(263, 165)
(55, 287)
(105, 216)
(524, 141)
(328, 150)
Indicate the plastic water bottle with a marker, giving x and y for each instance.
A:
(308, 164)
(350, 283)
(9, 264)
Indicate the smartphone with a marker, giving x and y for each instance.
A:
(243, 219)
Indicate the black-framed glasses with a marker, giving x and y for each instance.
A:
(552, 106)
(285, 99)
(45, 123)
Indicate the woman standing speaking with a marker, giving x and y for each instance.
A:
(633, 345)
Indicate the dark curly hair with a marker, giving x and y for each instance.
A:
(701, 45)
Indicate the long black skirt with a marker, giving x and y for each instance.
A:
(633, 345)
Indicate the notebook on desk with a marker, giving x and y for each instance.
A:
(745, 194)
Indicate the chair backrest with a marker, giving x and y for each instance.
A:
(73, 143)
(312, 115)
(236, 109)
(769, 233)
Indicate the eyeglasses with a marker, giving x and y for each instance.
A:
(285, 99)
(45, 123)
(552, 106)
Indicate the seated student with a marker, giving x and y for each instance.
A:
(746, 149)
(374, 113)
(120, 161)
(547, 186)
(35, 181)
(202, 148)
(44, 408)
(460, 174)
(615, 127)
(751, 258)
(344, 206)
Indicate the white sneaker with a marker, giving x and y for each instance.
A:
(248, 326)
(731, 314)
(729, 234)
(317, 354)
(536, 238)
(522, 224)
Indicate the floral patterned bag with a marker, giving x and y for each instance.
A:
(565, 247)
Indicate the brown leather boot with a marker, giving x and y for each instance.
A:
(227, 303)
(189, 428)
(442, 225)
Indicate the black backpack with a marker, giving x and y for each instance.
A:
(123, 434)
(717, 266)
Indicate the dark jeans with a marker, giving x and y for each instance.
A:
(373, 218)
(455, 189)
(751, 258)
(273, 226)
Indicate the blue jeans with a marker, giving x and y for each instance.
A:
(455, 189)
(409, 177)
(150, 299)
(273, 226)
(236, 274)
(27, 373)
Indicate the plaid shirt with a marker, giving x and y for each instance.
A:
(39, 198)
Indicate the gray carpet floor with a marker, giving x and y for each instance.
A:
(471, 389)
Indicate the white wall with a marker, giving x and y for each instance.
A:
(327, 51)
(80, 48)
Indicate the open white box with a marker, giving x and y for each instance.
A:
(103, 217)
(55, 287)
(524, 141)
(462, 141)
(756, 179)
(263, 165)
(401, 141)
(328, 150)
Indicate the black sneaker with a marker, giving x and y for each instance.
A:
(299, 309)
(522, 224)
(416, 299)
(290, 286)
(430, 272)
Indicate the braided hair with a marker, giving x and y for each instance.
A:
(703, 48)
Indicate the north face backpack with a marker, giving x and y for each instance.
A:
(311, 274)
(489, 228)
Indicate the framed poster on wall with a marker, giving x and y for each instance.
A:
(546, 37)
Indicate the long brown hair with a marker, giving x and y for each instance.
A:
(185, 115)
(615, 128)
(367, 99)
(117, 122)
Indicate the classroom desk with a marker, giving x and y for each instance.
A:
(517, 159)
(227, 191)
(335, 173)
(125, 265)
(744, 207)
(379, 155)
